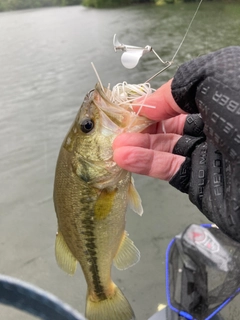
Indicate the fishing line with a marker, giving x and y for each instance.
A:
(188, 28)
(169, 63)
(126, 94)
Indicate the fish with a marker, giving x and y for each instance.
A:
(91, 195)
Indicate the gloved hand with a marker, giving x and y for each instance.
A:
(211, 172)
(200, 154)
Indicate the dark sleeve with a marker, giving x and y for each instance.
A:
(210, 85)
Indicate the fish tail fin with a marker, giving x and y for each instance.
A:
(115, 307)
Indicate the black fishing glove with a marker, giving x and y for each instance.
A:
(210, 85)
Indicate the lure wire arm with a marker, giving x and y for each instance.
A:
(125, 47)
(132, 54)
(164, 62)
(168, 64)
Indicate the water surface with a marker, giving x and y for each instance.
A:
(45, 68)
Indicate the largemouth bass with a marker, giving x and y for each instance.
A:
(91, 194)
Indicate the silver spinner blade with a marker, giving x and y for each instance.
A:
(131, 54)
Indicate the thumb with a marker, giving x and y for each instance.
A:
(162, 99)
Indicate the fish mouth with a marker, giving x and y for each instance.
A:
(89, 94)
(122, 115)
(113, 112)
(97, 95)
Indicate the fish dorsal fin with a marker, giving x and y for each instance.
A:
(127, 255)
(65, 259)
(134, 199)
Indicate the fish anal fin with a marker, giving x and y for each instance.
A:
(127, 255)
(65, 259)
(134, 199)
(114, 307)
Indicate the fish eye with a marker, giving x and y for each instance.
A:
(87, 125)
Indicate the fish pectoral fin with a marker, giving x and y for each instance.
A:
(134, 199)
(65, 259)
(127, 255)
(104, 203)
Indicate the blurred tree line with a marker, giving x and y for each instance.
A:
(6, 5)
(113, 3)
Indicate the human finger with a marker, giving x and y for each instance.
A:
(173, 125)
(159, 142)
(156, 164)
(164, 104)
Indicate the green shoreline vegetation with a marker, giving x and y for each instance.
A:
(113, 3)
(8, 5)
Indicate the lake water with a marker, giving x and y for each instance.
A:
(45, 72)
